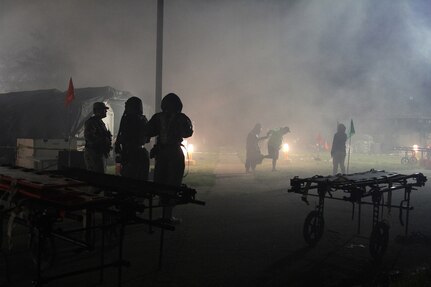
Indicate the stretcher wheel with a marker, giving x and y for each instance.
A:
(413, 160)
(404, 160)
(379, 240)
(313, 228)
(47, 249)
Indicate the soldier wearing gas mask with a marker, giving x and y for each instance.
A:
(170, 127)
(129, 146)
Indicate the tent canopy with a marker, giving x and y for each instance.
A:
(42, 114)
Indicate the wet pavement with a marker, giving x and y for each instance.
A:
(249, 233)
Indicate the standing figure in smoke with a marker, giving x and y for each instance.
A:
(253, 155)
(170, 127)
(338, 150)
(274, 144)
(129, 146)
(97, 139)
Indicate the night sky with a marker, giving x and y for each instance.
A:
(305, 64)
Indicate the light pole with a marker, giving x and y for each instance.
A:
(159, 55)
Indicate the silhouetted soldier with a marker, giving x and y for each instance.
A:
(338, 150)
(97, 139)
(129, 146)
(253, 155)
(274, 144)
(170, 126)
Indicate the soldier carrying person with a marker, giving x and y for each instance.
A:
(253, 155)
(274, 144)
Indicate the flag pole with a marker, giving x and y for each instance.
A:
(68, 140)
(348, 155)
(351, 133)
(70, 96)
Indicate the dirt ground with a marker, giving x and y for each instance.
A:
(249, 233)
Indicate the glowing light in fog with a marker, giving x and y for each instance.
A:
(415, 147)
(187, 148)
(184, 147)
(190, 148)
(285, 147)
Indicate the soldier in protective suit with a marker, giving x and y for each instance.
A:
(338, 150)
(97, 139)
(129, 146)
(274, 144)
(253, 154)
(170, 127)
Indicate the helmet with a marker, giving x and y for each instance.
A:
(171, 103)
(99, 107)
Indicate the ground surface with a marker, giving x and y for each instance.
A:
(249, 233)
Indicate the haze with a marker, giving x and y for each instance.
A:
(304, 64)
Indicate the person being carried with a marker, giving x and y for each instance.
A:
(98, 139)
(170, 126)
(129, 146)
(253, 155)
(338, 150)
(274, 144)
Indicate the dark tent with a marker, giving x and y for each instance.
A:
(43, 114)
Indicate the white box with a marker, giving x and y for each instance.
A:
(41, 153)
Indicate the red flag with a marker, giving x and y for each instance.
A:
(70, 93)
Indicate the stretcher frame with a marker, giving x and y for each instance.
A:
(374, 187)
(53, 195)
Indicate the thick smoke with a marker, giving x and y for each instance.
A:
(98, 43)
(305, 64)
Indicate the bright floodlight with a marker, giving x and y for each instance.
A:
(190, 148)
(184, 147)
(187, 148)
(415, 147)
(285, 147)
